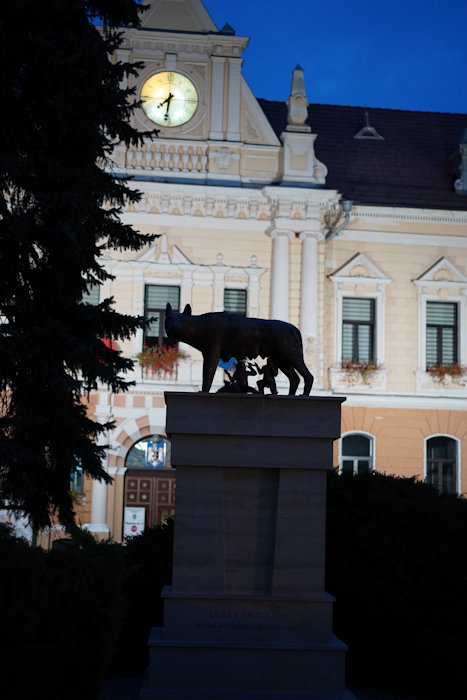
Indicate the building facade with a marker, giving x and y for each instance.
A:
(351, 225)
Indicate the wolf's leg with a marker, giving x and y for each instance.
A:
(292, 376)
(300, 366)
(210, 363)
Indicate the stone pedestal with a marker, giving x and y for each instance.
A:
(247, 616)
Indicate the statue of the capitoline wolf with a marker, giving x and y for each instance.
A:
(221, 335)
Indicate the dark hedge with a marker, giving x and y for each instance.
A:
(59, 615)
(397, 563)
(148, 567)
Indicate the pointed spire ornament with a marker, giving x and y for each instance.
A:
(297, 103)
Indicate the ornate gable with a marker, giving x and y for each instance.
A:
(159, 253)
(442, 274)
(360, 269)
(255, 127)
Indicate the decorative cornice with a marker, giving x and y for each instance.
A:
(411, 214)
(288, 209)
(185, 43)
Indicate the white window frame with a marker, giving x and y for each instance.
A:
(379, 339)
(372, 287)
(372, 440)
(458, 456)
(444, 290)
(424, 296)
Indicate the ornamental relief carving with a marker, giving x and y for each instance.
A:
(263, 209)
(224, 158)
(250, 128)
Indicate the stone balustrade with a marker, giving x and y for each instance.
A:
(167, 156)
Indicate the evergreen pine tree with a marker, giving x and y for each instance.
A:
(63, 109)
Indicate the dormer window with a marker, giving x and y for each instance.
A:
(368, 132)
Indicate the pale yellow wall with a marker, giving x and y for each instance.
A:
(123, 294)
(201, 246)
(399, 436)
(402, 264)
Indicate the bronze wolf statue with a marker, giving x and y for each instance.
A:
(221, 335)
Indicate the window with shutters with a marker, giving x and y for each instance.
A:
(91, 296)
(235, 301)
(441, 333)
(441, 463)
(357, 454)
(156, 298)
(358, 329)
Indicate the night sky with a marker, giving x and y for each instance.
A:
(397, 54)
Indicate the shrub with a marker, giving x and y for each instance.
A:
(59, 611)
(397, 564)
(148, 564)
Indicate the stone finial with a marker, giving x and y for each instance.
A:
(297, 103)
(164, 250)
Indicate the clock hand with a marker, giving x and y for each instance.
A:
(167, 99)
(166, 115)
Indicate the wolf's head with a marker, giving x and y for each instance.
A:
(175, 322)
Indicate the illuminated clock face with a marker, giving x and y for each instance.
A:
(169, 98)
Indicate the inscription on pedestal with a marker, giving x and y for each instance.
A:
(245, 620)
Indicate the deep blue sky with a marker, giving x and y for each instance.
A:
(398, 54)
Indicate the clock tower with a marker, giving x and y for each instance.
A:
(191, 88)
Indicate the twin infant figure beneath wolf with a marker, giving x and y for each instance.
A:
(222, 336)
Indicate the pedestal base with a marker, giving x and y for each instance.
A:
(247, 617)
(197, 671)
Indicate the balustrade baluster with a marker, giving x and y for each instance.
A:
(157, 158)
(139, 156)
(204, 161)
(129, 157)
(185, 157)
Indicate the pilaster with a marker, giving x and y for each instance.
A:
(233, 114)
(217, 97)
(309, 285)
(98, 524)
(280, 283)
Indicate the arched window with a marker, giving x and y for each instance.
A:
(441, 463)
(357, 454)
(151, 452)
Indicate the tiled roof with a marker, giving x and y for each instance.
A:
(410, 167)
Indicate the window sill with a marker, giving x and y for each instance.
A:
(343, 380)
(426, 384)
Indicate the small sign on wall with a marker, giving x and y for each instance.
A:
(155, 454)
(134, 521)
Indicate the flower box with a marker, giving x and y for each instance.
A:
(447, 373)
(359, 372)
(160, 361)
